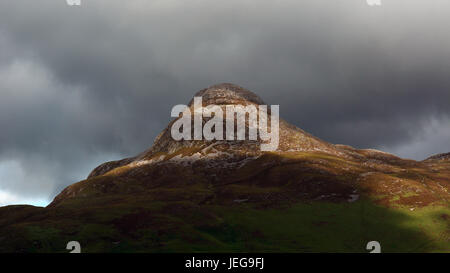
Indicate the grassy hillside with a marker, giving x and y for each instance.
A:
(278, 202)
(135, 224)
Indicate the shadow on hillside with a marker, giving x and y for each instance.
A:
(287, 207)
(174, 226)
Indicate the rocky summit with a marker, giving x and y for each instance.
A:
(221, 195)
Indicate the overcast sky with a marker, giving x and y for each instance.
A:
(83, 85)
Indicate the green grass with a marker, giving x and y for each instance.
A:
(329, 227)
(136, 225)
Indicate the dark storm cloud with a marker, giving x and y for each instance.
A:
(80, 85)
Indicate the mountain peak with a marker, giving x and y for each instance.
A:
(291, 138)
(302, 167)
(227, 93)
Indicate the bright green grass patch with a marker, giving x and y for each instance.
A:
(328, 227)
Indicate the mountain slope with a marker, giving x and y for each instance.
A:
(308, 195)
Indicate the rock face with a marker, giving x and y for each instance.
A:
(291, 138)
